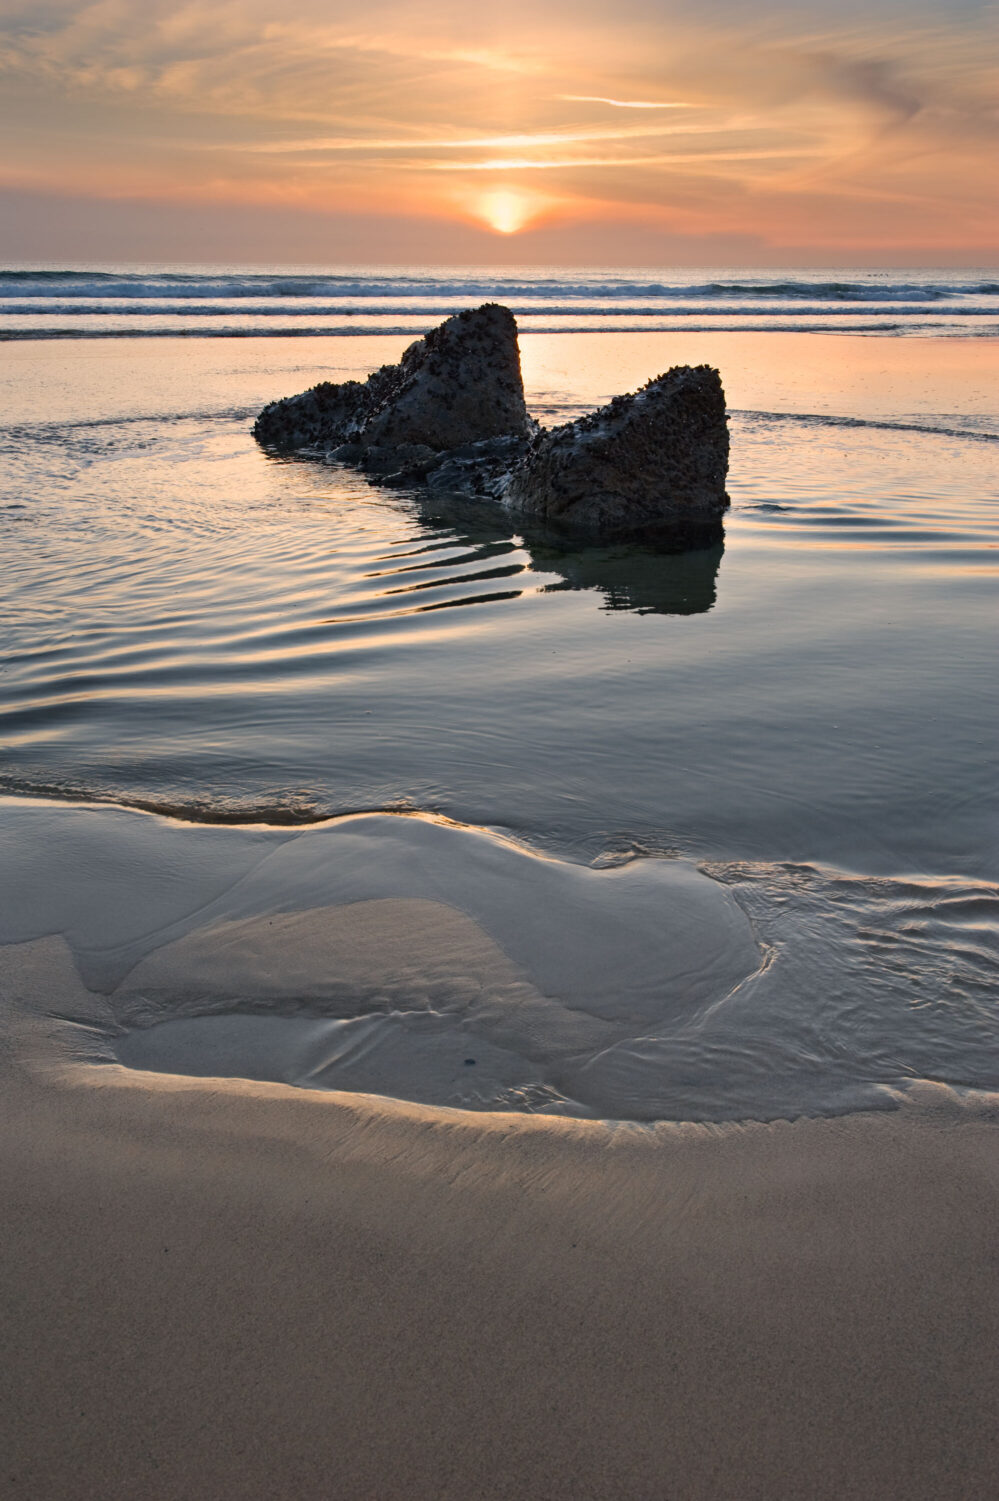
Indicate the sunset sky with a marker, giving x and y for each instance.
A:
(523, 131)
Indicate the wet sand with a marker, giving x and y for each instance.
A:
(226, 1289)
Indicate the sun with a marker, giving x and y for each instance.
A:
(506, 211)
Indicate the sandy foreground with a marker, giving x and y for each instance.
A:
(218, 1289)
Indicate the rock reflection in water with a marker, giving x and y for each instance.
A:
(634, 578)
(669, 578)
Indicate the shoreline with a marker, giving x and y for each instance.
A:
(413, 957)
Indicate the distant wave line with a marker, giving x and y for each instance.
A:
(822, 419)
(183, 310)
(180, 286)
(414, 330)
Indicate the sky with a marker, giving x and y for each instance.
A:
(625, 132)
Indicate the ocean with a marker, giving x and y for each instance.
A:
(727, 818)
(211, 302)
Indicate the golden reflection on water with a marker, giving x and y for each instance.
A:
(840, 374)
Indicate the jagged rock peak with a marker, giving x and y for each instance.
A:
(459, 384)
(655, 459)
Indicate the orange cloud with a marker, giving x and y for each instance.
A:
(789, 126)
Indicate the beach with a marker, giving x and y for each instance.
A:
(220, 1288)
(483, 1015)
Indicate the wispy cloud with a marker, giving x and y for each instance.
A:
(560, 164)
(546, 139)
(793, 122)
(625, 103)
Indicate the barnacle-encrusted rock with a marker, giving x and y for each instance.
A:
(460, 384)
(650, 463)
(451, 417)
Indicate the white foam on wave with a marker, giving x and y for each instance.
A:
(116, 303)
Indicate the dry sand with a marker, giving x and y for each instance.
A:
(215, 1289)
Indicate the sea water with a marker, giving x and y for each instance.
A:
(800, 722)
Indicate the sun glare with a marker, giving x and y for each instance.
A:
(506, 212)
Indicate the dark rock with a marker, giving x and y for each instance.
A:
(649, 463)
(478, 469)
(450, 418)
(460, 384)
(414, 459)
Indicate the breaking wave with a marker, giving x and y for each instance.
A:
(120, 302)
(866, 287)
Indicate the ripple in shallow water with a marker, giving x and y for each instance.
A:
(449, 966)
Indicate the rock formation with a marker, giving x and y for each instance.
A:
(460, 384)
(451, 416)
(652, 462)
